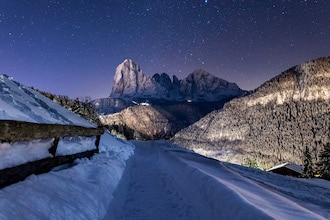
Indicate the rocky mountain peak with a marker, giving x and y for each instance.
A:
(201, 85)
(199, 74)
(129, 64)
(131, 83)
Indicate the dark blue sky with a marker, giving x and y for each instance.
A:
(73, 47)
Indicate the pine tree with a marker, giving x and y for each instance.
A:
(308, 164)
(324, 162)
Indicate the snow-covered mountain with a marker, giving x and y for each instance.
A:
(20, 103)
(273, 124)
(131, 83)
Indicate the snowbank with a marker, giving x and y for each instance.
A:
(17, 153)
(73, 145)
(82, 191)
(234, 196)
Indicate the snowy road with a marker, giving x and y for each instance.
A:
(165, 182)
(147, 190)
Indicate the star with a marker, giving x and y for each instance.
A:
(84, 41)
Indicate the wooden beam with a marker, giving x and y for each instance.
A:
(18, 173)
(25, 131)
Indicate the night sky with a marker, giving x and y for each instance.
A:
(73, 47)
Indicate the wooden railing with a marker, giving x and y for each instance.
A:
(16, 131)
(24, 131)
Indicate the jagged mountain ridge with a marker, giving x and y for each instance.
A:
(175, 103)
(273, 124)
(131, 83)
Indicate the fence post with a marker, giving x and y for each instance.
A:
(53, 148)
(97, 142)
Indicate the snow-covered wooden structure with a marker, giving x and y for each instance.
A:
(287, 169)
(18, 139)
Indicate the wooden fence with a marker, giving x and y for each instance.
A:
(16, 131)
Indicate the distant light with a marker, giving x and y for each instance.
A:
(189, 100)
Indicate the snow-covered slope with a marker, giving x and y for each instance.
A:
(18, 102)
(159, 180)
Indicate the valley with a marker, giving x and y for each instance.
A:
(137, 179)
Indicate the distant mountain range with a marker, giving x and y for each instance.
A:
(274, 123)
(159, 106)
(130, 83)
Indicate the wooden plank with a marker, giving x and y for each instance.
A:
(15, 174)
(25, 131)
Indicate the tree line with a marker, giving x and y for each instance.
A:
(321, 167)
(84, 108)
(80, 106)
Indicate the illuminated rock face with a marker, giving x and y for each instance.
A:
(274, 123)
(131, 83)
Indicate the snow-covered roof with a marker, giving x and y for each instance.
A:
(291, 166)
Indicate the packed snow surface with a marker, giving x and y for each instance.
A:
(18, 102)
(158, 180)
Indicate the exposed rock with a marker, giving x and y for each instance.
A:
(202, 86)
(140, 118)
(130, 83)
(160, 121)
(273, 124)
